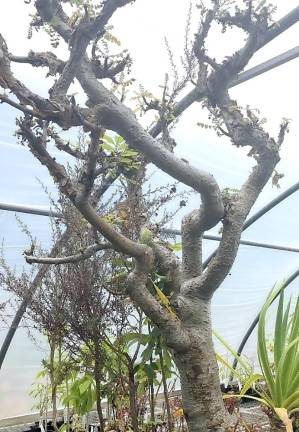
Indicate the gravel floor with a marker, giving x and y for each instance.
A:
(253, 415)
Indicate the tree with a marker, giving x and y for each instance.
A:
(183, 315)
(89, 323)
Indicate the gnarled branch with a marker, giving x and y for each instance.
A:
(84, 254)
(82, 35)
(67, 187)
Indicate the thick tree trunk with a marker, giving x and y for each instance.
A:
(202, 400)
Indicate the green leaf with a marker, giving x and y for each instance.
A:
(150, 372)
(107, 147)
(136, 337)
(176, 247)
(130, 153)
(234, 353)
(263, 401)
(262, 345)
(165, 301)
(119, 139)
(147, 353)
(42, 373)
(279, 332)
(146, 236)
(109, 139)
(222, 360)
(249, 383)
(83, 387)
(282, 380)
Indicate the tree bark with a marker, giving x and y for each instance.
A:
(166, 395)
(53, 381)
(152, 405)
(132, 397)
(202, 400)
(97, 378)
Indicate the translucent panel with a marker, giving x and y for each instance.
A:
(243, 293)
(255, 271)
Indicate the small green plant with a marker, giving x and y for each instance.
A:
(278, 384)
(81, 395)
(41, 392)
(281, 371)
(244, 373)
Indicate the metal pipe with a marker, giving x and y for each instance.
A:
(261, 213)
(282, 25)
(28, 297)
(288, 192)
(274, 62)
(243, 242)
(45, 212)
(256, 320)
(24, 208)
(13, 327)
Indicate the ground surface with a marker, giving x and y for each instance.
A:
(250, 413)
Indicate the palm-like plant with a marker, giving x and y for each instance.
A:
(281, 370)
(278, 384)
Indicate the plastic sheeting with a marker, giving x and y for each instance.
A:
(239, 299)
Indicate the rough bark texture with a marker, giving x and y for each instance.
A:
(166, 395)
(132, 397)
(98, 378)
(202, 399)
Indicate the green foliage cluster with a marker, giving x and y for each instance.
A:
(120, 155)
(154, 358)
(277, 385)
(76, 386)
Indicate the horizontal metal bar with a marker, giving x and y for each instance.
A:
(24, 208)
(266, 66)
(243, 242)
(48, 212)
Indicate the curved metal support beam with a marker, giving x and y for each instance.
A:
(45, 212)
(27, 299)
(28, 209)
(19, 314)
(13, 327)
(261, 213)
(289, 280)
